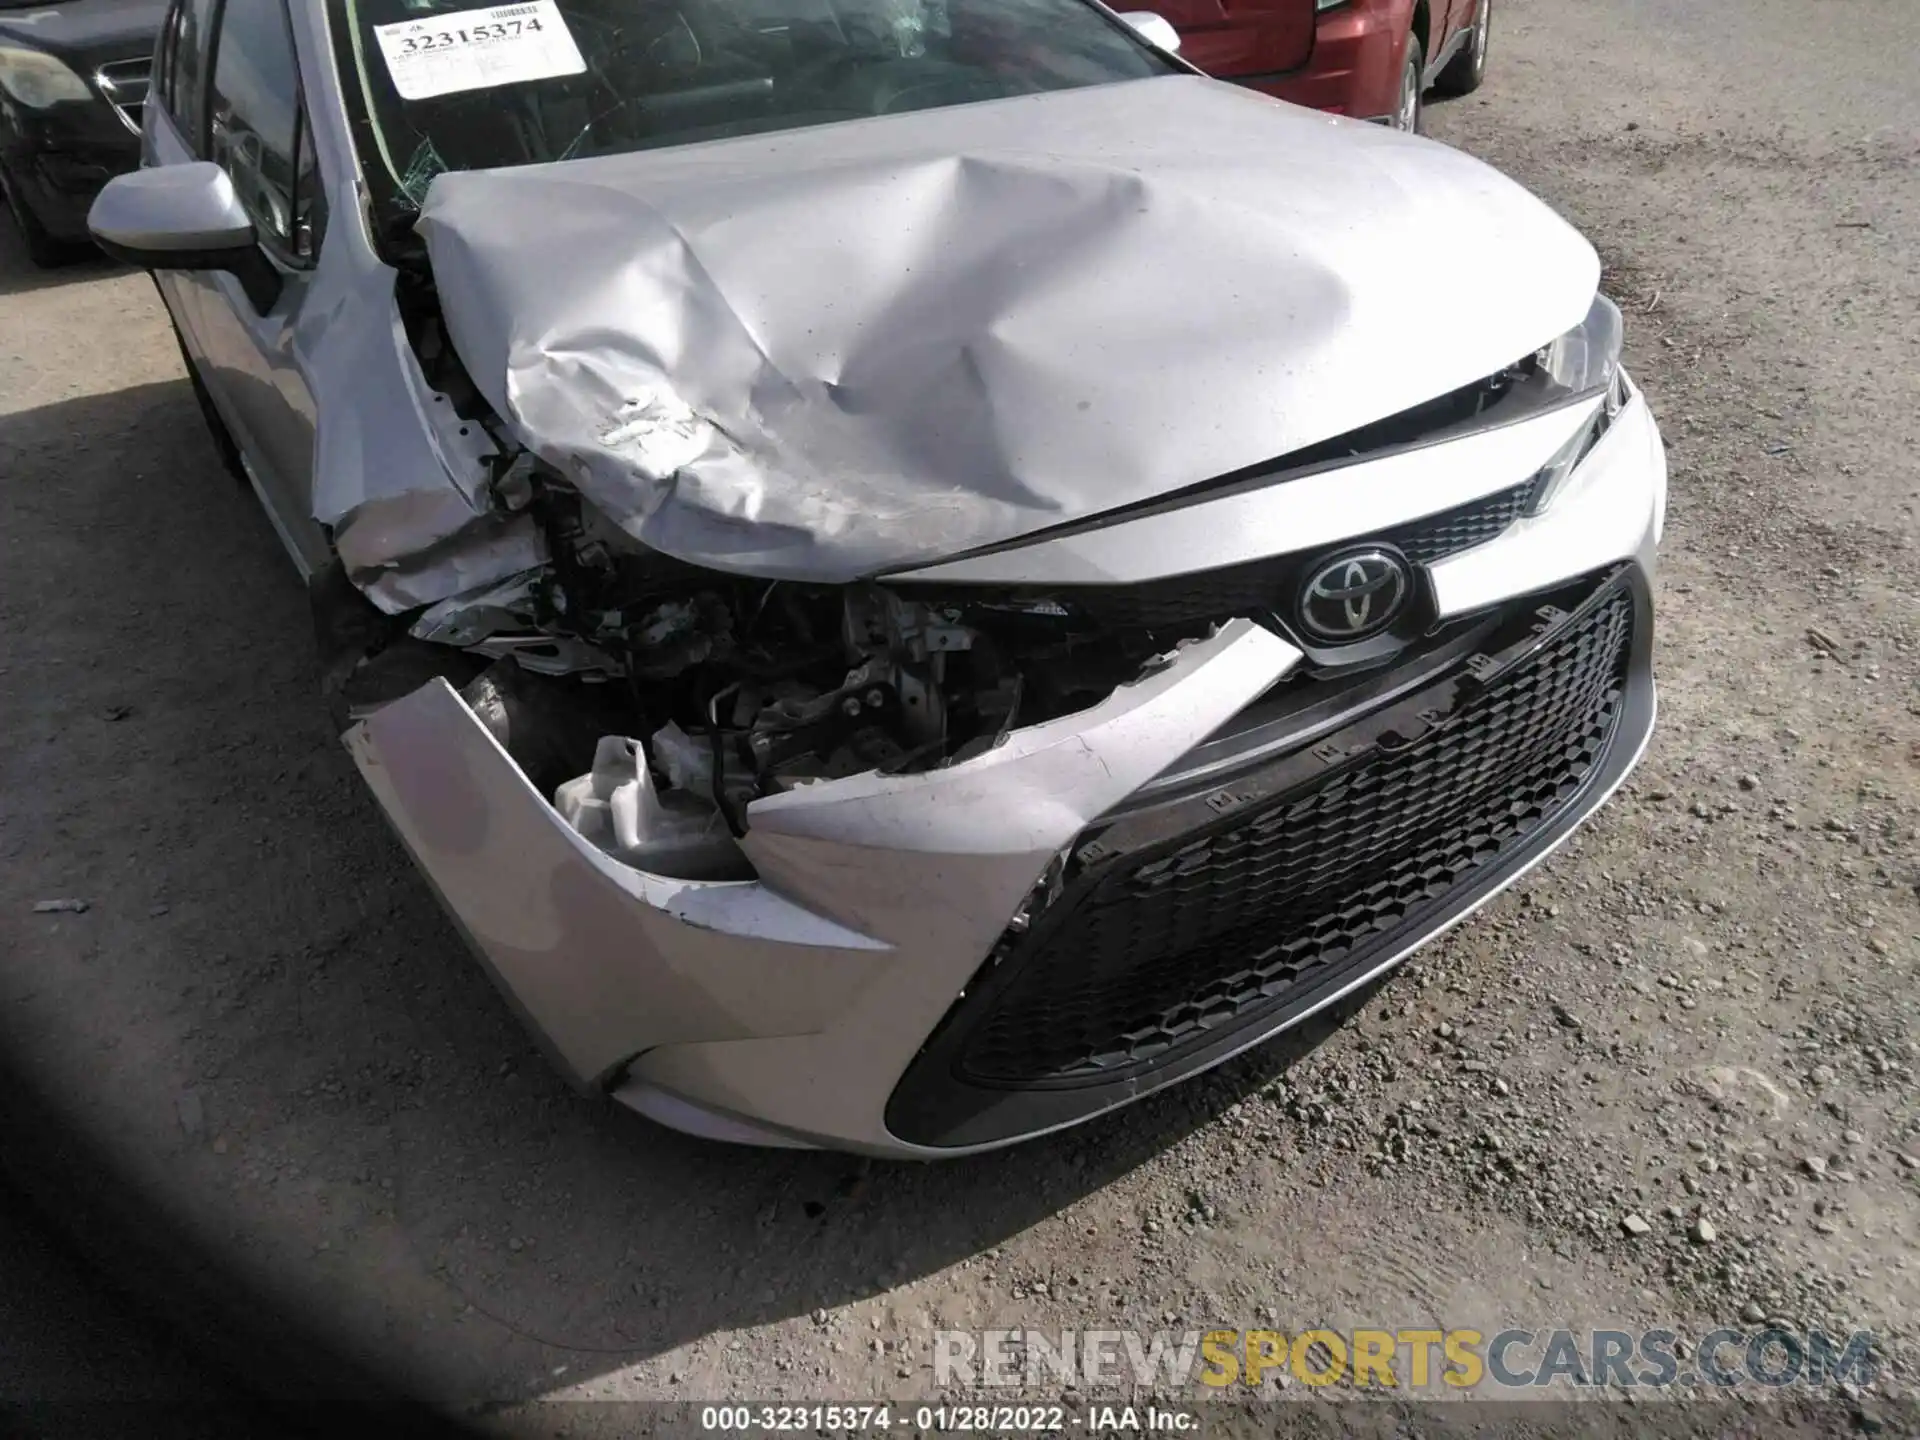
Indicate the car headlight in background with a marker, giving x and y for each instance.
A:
(1584, 361)
(37, 80)
(1324, 5)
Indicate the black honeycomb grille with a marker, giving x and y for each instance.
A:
(1463, 527)
(1206, 596)
(1135, 965)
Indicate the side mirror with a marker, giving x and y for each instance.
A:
(183, 217)
(1154, 29)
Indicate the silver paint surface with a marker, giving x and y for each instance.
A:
(877, 895)
(826, 352)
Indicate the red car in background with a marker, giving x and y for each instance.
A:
(1371, 59)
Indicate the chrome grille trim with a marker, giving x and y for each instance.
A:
(124, 84)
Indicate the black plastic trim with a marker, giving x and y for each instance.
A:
(933, 1106)
(1455, 43)
(258, 276)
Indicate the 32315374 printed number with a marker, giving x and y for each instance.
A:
(478, 49)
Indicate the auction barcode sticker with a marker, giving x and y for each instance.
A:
(477, 49)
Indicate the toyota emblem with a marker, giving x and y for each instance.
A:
(1351, 596)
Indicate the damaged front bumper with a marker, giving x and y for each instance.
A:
(878, 897)
(878, 985)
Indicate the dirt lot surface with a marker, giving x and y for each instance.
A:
(1703, 1015)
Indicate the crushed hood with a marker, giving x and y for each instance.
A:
(828, 352)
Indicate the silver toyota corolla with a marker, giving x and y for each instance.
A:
(911, 571)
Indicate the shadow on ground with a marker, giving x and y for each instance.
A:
(20, 276)
(276, 1019)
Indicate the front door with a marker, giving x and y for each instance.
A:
(237, 103)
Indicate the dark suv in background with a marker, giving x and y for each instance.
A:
(73, 78)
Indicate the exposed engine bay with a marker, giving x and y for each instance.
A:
(652, 700)
(683, 693)
(783, 682)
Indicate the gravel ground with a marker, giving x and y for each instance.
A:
(1668, 1080)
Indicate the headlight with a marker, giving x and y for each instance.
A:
(37, 80)
(1586, 357)
(1584, 361)
(1323, 5)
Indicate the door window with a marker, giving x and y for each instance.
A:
(309, 196)
(163, 61)
(183, 53)
(253, 118)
